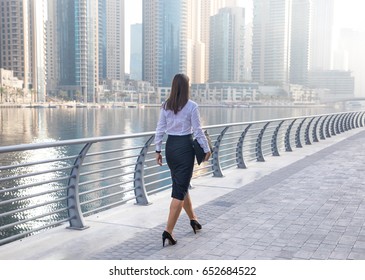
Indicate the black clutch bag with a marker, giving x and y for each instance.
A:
(199, 152)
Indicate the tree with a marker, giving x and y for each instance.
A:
(2, 90)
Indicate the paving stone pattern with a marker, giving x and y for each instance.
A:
(312, 209)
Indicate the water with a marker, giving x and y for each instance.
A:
(34, 125)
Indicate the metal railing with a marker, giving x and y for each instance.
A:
(47, 184)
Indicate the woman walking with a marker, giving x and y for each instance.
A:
(180, 120)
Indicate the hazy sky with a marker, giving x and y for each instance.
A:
(348, 13)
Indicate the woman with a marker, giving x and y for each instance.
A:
(179, 118)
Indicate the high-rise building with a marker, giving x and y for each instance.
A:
(38, 49)
(299, 42)
(136, 52)
(52, 49)
(350, 56)
(227, 45)
(164, 40)
(271, 41)
(78, 47)
(111, 39)
(210, 8)
(321, 34)
(195, 47)
(14, 38)
(23, 43)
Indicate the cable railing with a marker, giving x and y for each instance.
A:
(44, 185)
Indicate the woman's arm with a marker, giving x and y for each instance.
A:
(198, 131)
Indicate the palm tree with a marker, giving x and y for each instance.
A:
(2, 90)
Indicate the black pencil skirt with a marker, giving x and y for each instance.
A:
(180, 159)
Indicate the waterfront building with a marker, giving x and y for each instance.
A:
(164, 40)
(299, 42)
(111, 39)
(78, 48)
(228, 93)
(38, 52)
(302, 95)
(271, 41)
(349, 56)
(322, 13)
(227, 46)
(196, 49)
(14, 38)
(10, 86)
(136, 52)
(341, 84)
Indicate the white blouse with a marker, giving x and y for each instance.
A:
(186, 121)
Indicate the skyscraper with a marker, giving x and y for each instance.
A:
(227, 45)
(23, 43)
(14, 38)
(164, 40)
(210, 8)
(38, 43)
(136, 52)
(111, 39)
(195, 47)
(321, 34)
(299, 46)
(271, 41)
(78, 47)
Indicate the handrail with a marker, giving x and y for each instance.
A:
(94, 174)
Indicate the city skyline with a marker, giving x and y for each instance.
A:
(347, 14)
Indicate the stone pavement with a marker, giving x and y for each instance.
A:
(307, 204)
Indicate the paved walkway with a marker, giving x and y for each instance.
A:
(308, 204)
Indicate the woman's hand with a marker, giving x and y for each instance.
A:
(207, 156)
(159, 159)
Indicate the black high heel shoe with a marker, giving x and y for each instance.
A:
(195, 225)
(166, 235)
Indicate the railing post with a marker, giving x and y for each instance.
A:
(307, 139)
(343, 123)
(239, 150)
(274, 140)
(298, 143)
(349, 121)
(73, 199)
(315, 129)
(349, 124)
(338, 121)
(322, 129)
(328, 134)
(352, 120)
(139, 187)
(259, 154)
(362, 120)
(217, 170)
(287, 137)
(333, 125)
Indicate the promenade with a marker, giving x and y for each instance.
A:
(305, 204)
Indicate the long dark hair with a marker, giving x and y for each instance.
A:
(179, 94)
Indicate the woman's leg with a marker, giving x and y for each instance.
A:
(175, 210)
(188, 207)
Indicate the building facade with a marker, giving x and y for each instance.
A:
(14, 38)
(136, 52)
(164, 40)
(322, 13)
(271, 41)
(299, 42)
(226, 57)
